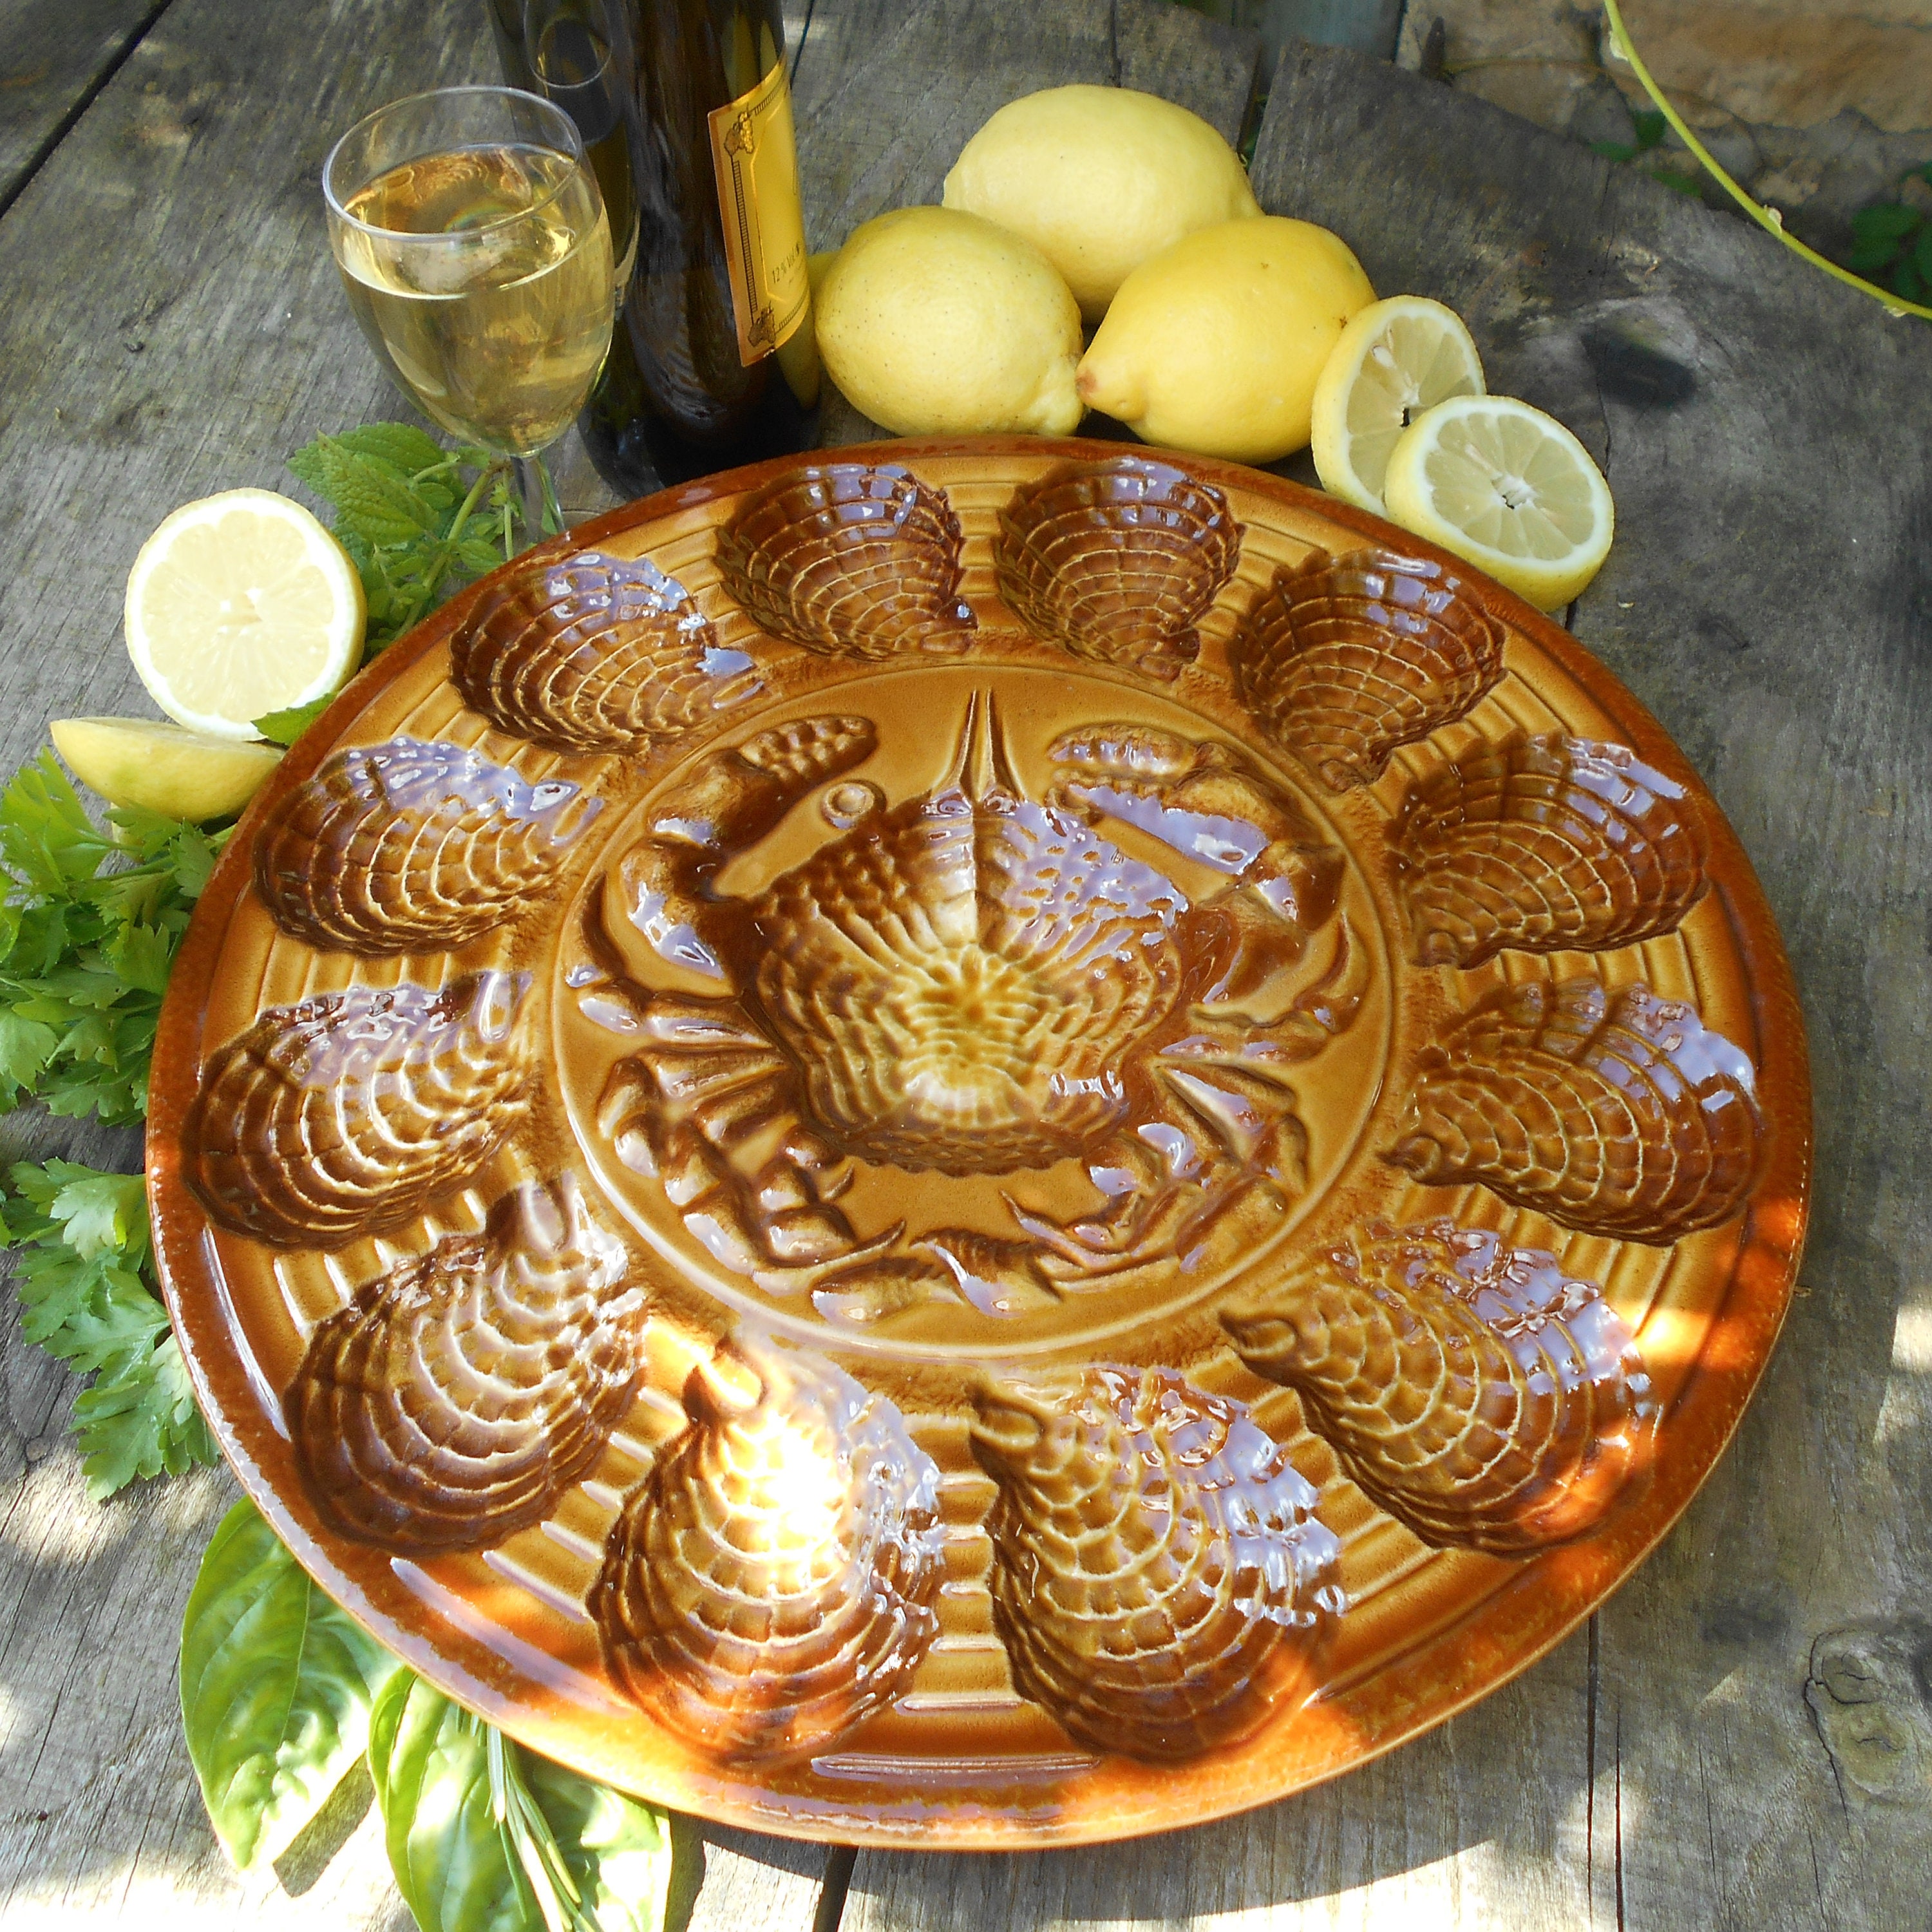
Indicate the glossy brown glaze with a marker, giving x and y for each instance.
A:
(1056, 1414)
(1345, 658)
(456, 1397)
(347, 1114)
(409, 847)
(593, 653)
(1616, 1112)
(974, 982)
(771, 1584)
(1159, 1579)
(850, 559)
(1544, 844)
(1117, 561)
(1478, 1394)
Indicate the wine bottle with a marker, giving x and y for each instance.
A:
(685, 107)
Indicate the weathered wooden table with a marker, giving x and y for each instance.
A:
(1742, 1737)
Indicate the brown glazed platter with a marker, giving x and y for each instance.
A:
(979, 1144)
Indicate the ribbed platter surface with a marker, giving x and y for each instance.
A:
(979, 1144)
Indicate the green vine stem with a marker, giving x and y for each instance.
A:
(1766, 218)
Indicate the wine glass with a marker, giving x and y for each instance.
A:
(476, 253)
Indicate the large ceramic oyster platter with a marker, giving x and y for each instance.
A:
(978, 1144)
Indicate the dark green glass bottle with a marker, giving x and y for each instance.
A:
(684, 108)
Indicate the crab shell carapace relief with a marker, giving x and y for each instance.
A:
(979, 1144)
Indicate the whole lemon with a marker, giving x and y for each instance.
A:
(937, 323)
(1098, 178)
(1215, 344)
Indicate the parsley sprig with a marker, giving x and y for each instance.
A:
(85, 1277)
(91, 919)
(88, 927)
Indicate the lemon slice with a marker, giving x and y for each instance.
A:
(1396, 359)
(180, 774)
(241, 605)
(1509, 489)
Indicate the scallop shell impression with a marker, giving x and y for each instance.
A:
(771, 1583)
(594, 653)
(410, 847)
(1615, 1113)
(347, 1114)
(453, 1401)
(850, 560)
(1159, 1579)
(1542, 843)
(1117, 560)
(1342, 659)
(1477, 1393)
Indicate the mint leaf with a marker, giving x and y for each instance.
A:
(284, 727)
(410, 515)
(402, 446)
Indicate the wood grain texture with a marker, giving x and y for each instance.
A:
(53, 55)
(1763, 430)
(174, 325)
(1744, 1741)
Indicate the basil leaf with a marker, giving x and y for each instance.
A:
(276, 1684)
(618, 1850)
(429, 1762)
(485, 1837)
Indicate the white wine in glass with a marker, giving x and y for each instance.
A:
(474, 246)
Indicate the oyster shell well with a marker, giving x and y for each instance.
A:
(594, 653)
(958, 977)
(850, 560)
(1475, 1392)
(1616, 1113)
(1159, 1575)
(408, 846)
(1542, 843)
(348, 1114)
(770, 1584)
(1117, 560)
(1343, 658)
(452, 1401)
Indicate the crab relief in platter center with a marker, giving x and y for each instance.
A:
(955, 1038)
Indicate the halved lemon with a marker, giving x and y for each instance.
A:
(241, 604)
(1509, 489)
(1396, 359)
(163, 768)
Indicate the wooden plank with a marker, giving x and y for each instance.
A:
(174, 325)
(1763, 430)
(53, 55)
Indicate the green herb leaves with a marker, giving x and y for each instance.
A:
(277, 1684)
(416, 519)
(485, 1836)
(86, 1296)
(281, 1692)
(1894, 241)
(88, 928)
(1649, 128)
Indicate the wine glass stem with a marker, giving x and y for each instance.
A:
(542, 516)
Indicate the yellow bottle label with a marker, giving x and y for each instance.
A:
(756, 156)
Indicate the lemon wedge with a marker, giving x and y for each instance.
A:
(1507, 488)
(180, 774)
(239, 605)
(1396, 359)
